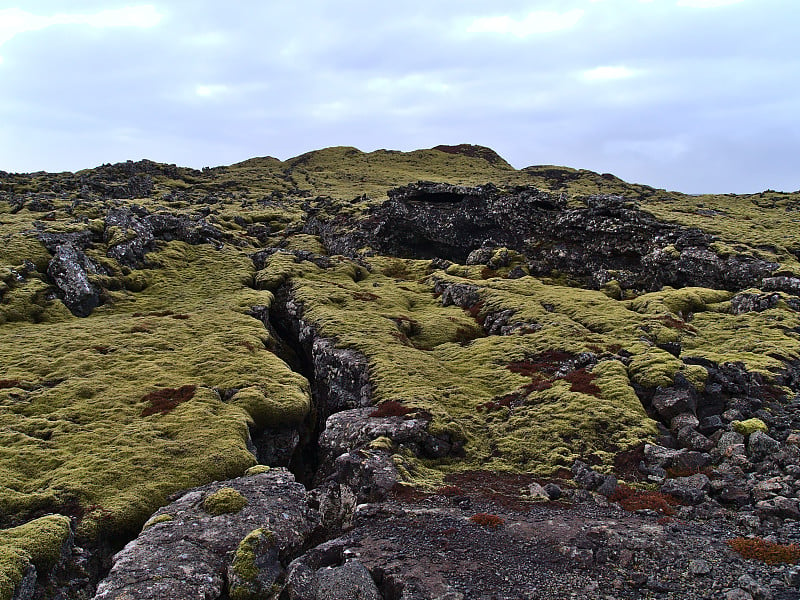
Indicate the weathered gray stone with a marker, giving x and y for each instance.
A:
(779, 506)
(27, 586)
(761, 446)
(690, 438)
(69, 270)
(699, 567)
(731, 443)
(691, 490)
(351, 581)
(188, 555)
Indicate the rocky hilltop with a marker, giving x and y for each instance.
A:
(395, 376)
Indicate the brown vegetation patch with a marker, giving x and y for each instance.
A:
(548, 362)
(765, 551)
(165, 400)
(672, 322)
(581, 381)
(390, 408)
(626, 464)
(486, 520)
(632, 500)
(543, 371)
(450, 491)
(9, 383)
(509, 490)
(474, 311)
(408, 494)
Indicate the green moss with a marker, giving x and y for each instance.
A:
(436, 358)
(244, 560)
(257, 470)
(38, 542)
(244, 586)
(749, 426)
(382, 443)
(224, 501)
(77, 435)
(270, 409)
(163, 518)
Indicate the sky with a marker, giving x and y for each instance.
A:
(698, 96)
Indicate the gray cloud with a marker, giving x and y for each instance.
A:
(694, 99)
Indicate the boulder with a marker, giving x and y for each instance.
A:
(670, 402)
(69, 270)
(761, 446)
(187, 552)
(690, 490)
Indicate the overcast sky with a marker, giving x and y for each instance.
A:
(690, 95)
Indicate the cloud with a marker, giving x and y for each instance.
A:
(14, 21)
(608, 73)
(206, 91)
(707, 3)
(535, 22)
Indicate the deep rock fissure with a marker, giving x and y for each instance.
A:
(305, 459)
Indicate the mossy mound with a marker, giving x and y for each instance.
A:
(749, 426)
(224, 501)
(38, 542)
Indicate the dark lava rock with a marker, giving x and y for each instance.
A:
(671, 401)
(186, 551)
(745, 302)
(69, 270)
(435, 220)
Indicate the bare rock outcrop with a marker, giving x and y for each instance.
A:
(187, 547)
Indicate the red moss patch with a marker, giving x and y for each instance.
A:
(474, 311)
(165, 400)
(408, 494)
(672, 322)
(626, 464)
(486, 520)
(548, 362)
(581, 381)
(632, 500)
(765, 551)
(543, 369)
(509, 490)
(390, 408)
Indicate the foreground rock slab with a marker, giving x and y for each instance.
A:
(190, 544)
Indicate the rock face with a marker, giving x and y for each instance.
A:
(69, 270)
(205, 543)
(609, 239)
(132, 232)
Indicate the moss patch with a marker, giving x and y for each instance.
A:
(38, 542)
(224, 501)
(749, 426)
(91, 434)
